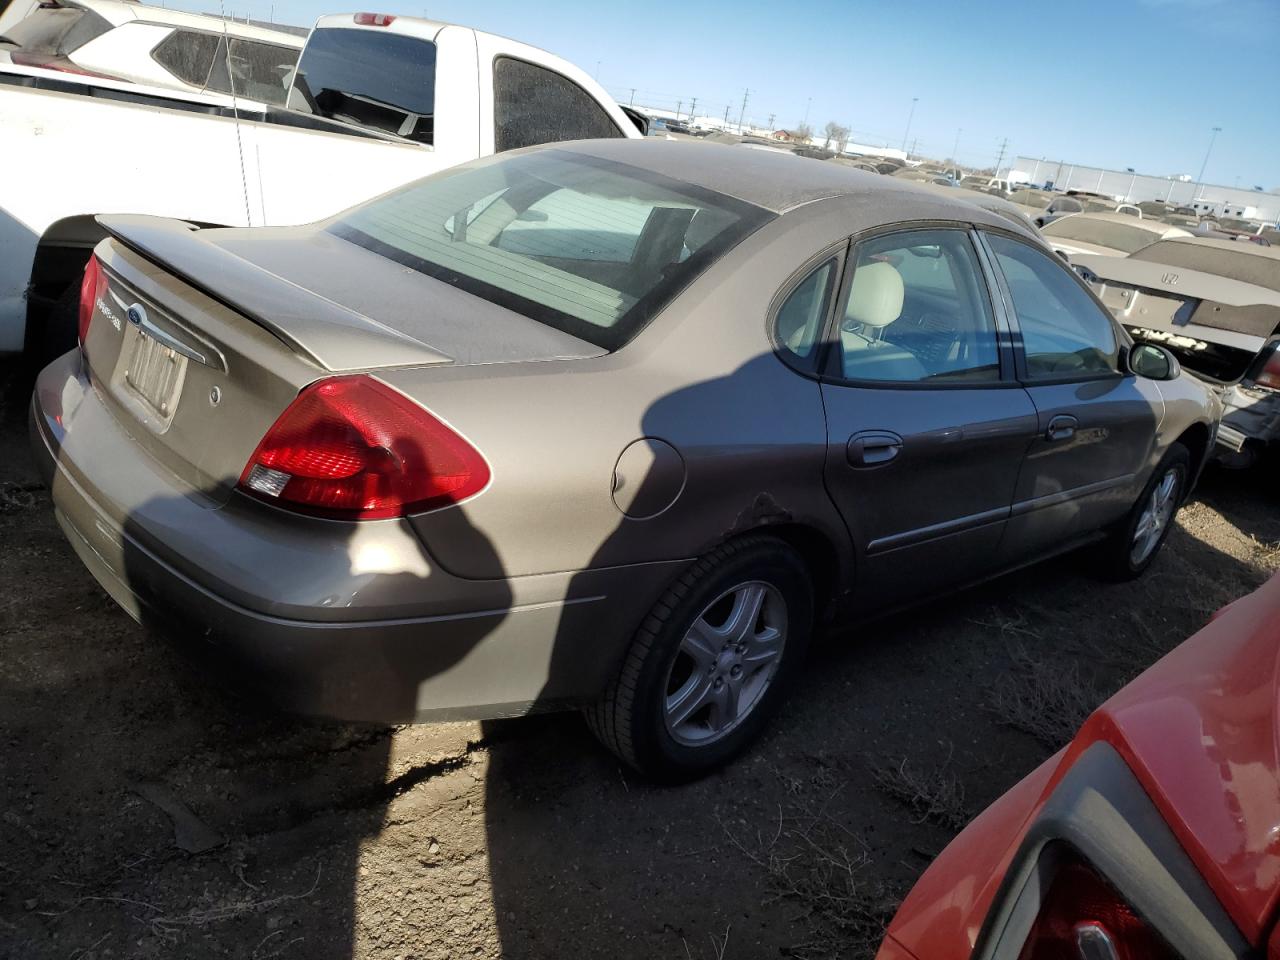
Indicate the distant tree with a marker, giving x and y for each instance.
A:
(842, 138)
(802, 132)
(832, 132)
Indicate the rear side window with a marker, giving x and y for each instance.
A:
(187, 55)
(535, 105)
(56, 31)
(371, 78)
(257, 69)
(918, 311)
(1064, 333)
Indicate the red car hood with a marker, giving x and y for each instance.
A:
(1199, 729)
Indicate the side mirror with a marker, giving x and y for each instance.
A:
(1153, 362)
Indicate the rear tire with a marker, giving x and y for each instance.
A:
(1133, 546)
(701, 677)
(61, 329)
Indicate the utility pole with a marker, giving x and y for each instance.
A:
(1000, 159)
(632, 101)
(693, 108)
(913, 148)
(806, 111)
(955, 148)
(772, 115)
(726, 116)
(743, 113)
(910, 117)
(679, 105)
(1200, 179)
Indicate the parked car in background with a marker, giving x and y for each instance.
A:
(1105, 234)
(1215, 304)
(155, 46)
(1152, 835)
(376, 101)
(775, 390)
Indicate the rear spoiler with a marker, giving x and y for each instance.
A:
(309, 324)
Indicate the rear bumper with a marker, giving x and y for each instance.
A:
(405, 641)
(1250, 416)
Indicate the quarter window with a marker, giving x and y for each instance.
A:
(1064, 333)
(917, 311)
(535, 105)
(799, 321)
(187, 55)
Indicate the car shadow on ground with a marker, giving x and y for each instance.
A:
(148, 811)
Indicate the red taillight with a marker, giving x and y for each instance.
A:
(92, 286)
(1269, 376)
(1082, 916)
(352, 448)
(374, 19)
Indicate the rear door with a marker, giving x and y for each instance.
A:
(926, 424)
(1095, 422)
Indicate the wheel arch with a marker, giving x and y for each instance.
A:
(827, 567)
(1196, 439)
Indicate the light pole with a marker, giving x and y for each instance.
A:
(955, 161)
(807, 105)
(1200, 179)
(910, 116)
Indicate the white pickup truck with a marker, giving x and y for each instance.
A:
(376, 101)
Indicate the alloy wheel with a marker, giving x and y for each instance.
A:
(725, 663)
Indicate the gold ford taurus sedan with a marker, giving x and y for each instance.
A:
(608, 425)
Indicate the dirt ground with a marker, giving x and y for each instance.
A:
(523, 838)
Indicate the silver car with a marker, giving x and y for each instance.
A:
(608, 425)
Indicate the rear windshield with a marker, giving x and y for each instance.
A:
(1104, 233)
(1242, 265)
(592, 248)
(56, 31)
(385, 81)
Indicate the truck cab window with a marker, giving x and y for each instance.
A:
(532, 105)
(386, 81)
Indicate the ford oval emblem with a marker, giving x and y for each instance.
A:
(136, 314)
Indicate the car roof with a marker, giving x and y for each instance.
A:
(1244, 247)
(120, 12)
(1151, 225)
(778, 182)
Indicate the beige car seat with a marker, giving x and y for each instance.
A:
(875, 301)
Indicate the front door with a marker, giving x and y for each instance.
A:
(926, 425)
(1095, 422)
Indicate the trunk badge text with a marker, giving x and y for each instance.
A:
(1170, 278)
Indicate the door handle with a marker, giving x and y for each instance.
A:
(1062, 427)
(873, 448)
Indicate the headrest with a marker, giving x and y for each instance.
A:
(875, 297)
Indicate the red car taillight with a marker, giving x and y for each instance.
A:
(1269, 376)
(352, 448)
(375, 19)
(92, 287)
(1082, 917)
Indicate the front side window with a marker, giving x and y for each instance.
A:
(533, 105)
(385, 81)
(918, 312)
(798, 323)
(592, 248)
(1064, 333)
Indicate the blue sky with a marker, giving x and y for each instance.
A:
(1125, 83)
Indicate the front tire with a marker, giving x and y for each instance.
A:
(1134, 545)
(710, 662)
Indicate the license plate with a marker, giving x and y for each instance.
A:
(155, 373)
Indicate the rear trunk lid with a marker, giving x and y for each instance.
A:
(201, 338)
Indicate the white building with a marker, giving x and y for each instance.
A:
(1129, 187)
